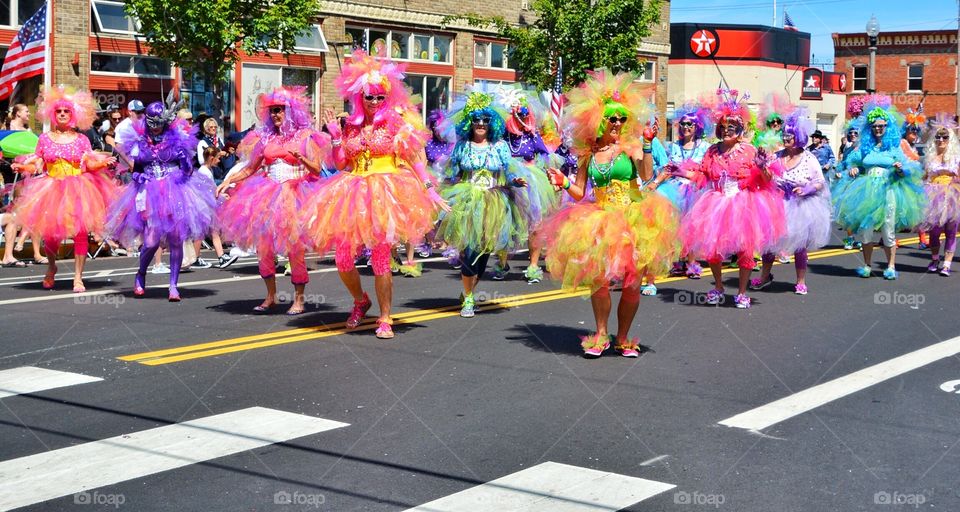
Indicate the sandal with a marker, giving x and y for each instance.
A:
(14, 264)
(49, 279)
(594, 345)
(296, 310)
(42, 261)
(264, 308)
(629, 348)
(384, 330)
(648, 290)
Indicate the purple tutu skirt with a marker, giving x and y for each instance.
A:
(943, 205)
(808, 223)
(172, 209)
(262, 211)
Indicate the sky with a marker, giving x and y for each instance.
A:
(821, 18)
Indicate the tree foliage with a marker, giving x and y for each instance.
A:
(206, 37)
(587, 34)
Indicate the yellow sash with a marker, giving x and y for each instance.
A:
(61, 169)
(365, 165)
(943, 179)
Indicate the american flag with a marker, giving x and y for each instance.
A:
(556, 99)
(788, 23)
(25, 57)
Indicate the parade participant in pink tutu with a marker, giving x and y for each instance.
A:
(741, 212)
(284, 155)
(166, 203)
(627, 233)
(942, 183)
(806, 201)
(384, 196)
(72, 198)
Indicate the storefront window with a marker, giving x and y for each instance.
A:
(435, 91)
(400, 45)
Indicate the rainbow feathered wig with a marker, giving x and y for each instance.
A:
(80, 103)
(879, 108)
(776, 105)
(374, 76)
(914, 121)
(602, 95)
(478, 101)
(295, 104)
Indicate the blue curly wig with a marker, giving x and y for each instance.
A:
(873, 112)
(479, 101)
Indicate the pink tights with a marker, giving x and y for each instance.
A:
(268, 267)
(51, 246)
(379, 259)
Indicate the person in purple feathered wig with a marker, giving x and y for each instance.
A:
(165, 203)
(806, 199)
(283, 155)
(691, 120)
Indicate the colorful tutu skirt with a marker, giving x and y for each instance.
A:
(59, 208)
(721, 225)
(808, 223)
(682, 193)
(862, 205)
(538, 199)
(171, 209)
(264, 212)
(592, 243)
(484, 219)
(943, 203)
(368, 210)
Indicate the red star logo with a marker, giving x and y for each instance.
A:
(812, 82)
(703, 43)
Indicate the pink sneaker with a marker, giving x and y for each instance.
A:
(694, 270)
(800, 289)
(384, 330)
(594, 345)
(359, 310)
(629, 348)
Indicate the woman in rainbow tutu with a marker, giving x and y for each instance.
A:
(284, 155)
(740, 212)
(72, 197)
(484, 218)
(941, 163)
(888, 194)
(384, 195)
(627, 233)
(806, 201)
(166, 203)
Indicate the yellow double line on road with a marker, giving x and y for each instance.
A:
(270, 339)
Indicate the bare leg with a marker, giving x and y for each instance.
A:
(217, 244)
(867, 253)
(469, 283)
(716, 270)
(351, 279)
(600, 300)
(384, 287)
(627, 312)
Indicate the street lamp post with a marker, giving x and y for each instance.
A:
(873, 30)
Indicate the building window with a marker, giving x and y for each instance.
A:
(915, 78)
(859, 79)
(491, 55)
(129, 65)
(110, 17)
(648, 73)
(400, 45)
(312, 40)
(435, 91)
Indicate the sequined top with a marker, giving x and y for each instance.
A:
(61, 160)
(806, 171)
(934, 166)
(612, 180)
(487, 165)
(437, 149)
(157, 160)
(527, 145)
(278, 164)
(733, 170)
(357, 140)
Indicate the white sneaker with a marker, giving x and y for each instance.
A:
(238, 252)
(160, 268)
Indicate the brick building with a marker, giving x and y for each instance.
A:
(907, 65)
(95, 46)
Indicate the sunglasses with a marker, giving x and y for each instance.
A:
(482, 121)
(775, 121)
(371, 97)
(686, 124)
(853, 132)
(733, 128)
(276, 109)
(615, 119)
(879, 126)
(941, 137)
(63, 111)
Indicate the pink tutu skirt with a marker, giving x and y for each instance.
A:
(59, 208)
(366, 211)
(722, 225)
(262, 211)
(171, 209)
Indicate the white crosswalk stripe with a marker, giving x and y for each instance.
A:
(44, 476)
(551, 487)
(29, 379)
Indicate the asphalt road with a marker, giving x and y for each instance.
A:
(452, 404)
